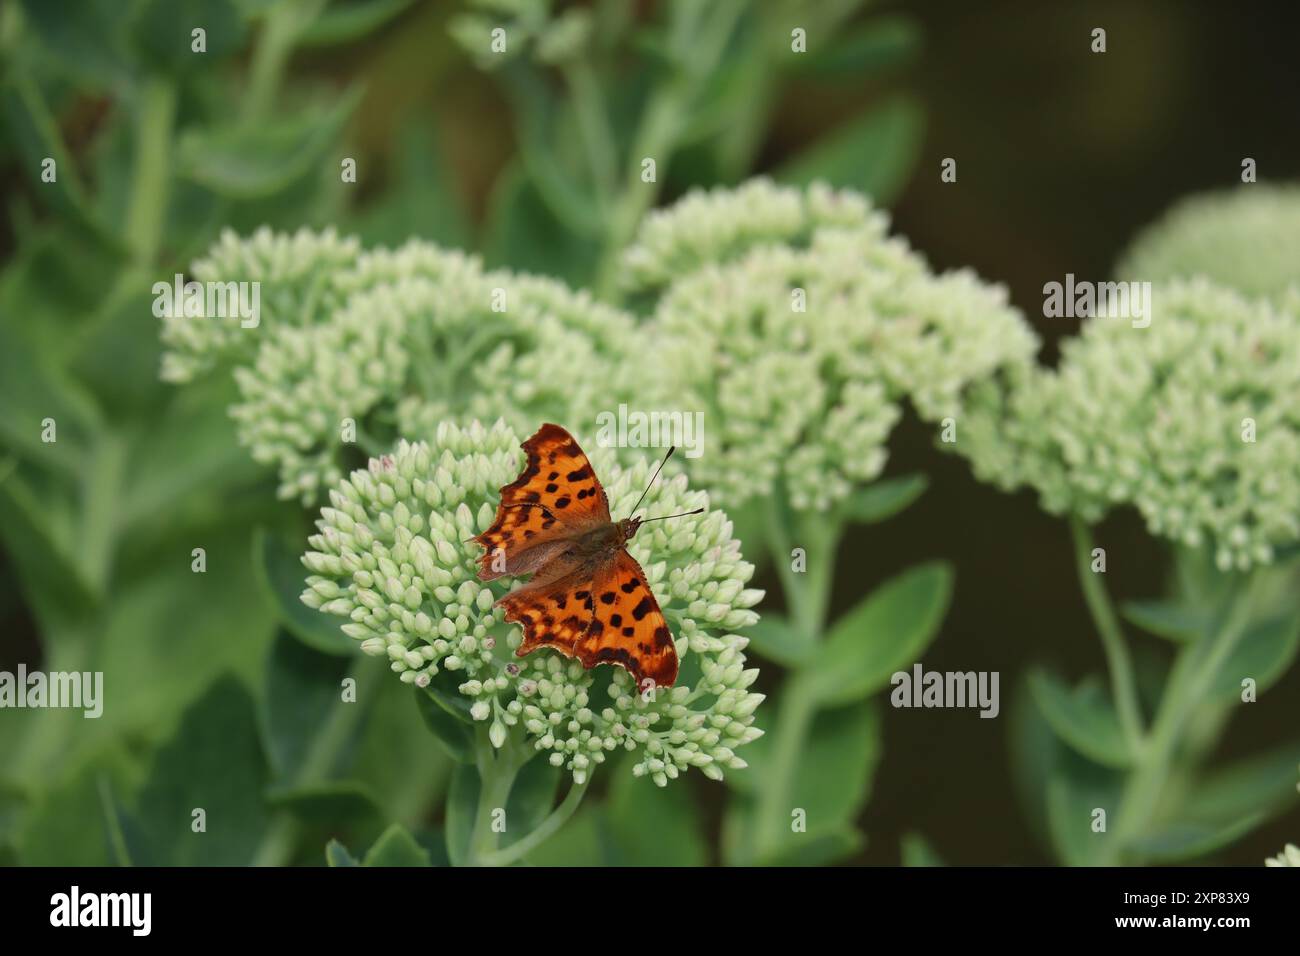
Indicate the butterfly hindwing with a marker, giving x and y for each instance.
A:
(555, 495)
(553, 613)
(627, 626)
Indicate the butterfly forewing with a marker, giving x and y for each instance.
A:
(555, 496)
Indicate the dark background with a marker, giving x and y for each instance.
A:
(1062, 156)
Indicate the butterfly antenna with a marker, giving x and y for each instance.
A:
(653, 477)
(684, 514)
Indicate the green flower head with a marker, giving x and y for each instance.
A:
(294, 272)
(800, 351)
(393, 557)
(1191, 420)
(1247, 239)
(394, 343)
(707, 228)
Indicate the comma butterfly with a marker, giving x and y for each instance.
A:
(588, 598)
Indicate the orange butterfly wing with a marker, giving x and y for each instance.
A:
(556, 494)
(627, 626)
(553, 614)
(599, 608)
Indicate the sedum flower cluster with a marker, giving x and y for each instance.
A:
(1192, 421)
(1247, 239)
(294, 273)
(797, 325)
(357, 349)
(1290, 856)
(392, 557)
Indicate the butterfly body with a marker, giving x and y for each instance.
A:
(605, 537)
(588, 597)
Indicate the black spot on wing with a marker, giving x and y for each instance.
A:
(606, 654)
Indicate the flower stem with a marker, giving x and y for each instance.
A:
(807, 598)
(155, 117)
(1193, 673)
(699, 33)
(284, 22)
(793, 721)
(544, 831)
(1122, 684)
(807, 593)
(101, 494)
(593, 125)
(496, 774)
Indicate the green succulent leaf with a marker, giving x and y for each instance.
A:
(163, 33)
(67, 824)
(873, 153)
(92, 46)
(332, 803)
(1180, 841)
(524, 233)
(462, 808)
(213, 763)
(281, 574)
(532, 797)
(336, 854)
(252, 162)
(396, 847)
(883, 499)
(1083, 718)
(301, 694)
(654, 826)
(1264, 653)
(774, 637)
(1075, 792)
(445, 722)
(887, 630)
(344, 21)
(1263, 782)
(881, 44)
(1174, 620)
(830, 782)
(821, 847)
